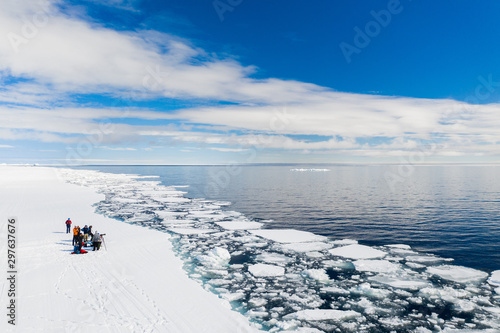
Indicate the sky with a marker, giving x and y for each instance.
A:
(239, 81)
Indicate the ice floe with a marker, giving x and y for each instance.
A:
(306, 247)
(494, 278)
(400, 282)
(377, 266)
(191, 231)
(240, 225)
(357, 251)
(458, 274)
(326, 314)
(265, 270)
(316, 274)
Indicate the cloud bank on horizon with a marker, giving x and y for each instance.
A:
(73, 85)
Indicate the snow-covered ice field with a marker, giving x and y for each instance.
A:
(137, 285)
(281, 280)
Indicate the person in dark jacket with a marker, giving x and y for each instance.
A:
(80, 242)
(90, 232)
(68, 225)
(85, 231)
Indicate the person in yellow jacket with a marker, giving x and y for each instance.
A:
(76, 232)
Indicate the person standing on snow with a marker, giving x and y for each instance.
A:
(90, 233)
(76, 231)
(80, 242)
(85, 233)
(96, 241)
(68, 225)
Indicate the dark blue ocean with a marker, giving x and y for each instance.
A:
(451, 211)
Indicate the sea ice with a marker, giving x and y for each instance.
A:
(216, 257)
(403, 283)
(265, 270)
(165, 214)
(315, 254)
(322, 314)
(367, 290)
(172, 199)
(339, 264)
(316, 274)
(239, 225)
(177, 221)
(273, 258)
(400, 246)
(257, 302)
(426, 260)
(494, 278)
(458, 274)
(335, 290)
(190, 231)
(377, 266)
(345, 241)
(306, 247)
(288, 235)
(357, 251)
(272, 278)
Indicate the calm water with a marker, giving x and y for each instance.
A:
(452, 211)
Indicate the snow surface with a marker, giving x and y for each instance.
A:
(280, 280)
(137, 285)
(357, 251)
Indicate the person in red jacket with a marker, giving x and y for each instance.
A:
(68, 225)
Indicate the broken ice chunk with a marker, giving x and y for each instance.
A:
(216, 257)
(273, 258)
(458, 274)
(494, 278)
(397, 282)
(377, 266)
(316, 274)
(264, 270)
(356, 251)
(190, 231)
(322, 314)
(306, 247)
(234, 225)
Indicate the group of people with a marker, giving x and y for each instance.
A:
(84, 237)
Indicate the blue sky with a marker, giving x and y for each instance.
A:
(238, 81)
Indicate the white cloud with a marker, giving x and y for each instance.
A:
(226, 150)
(56, 55)
(6, 146)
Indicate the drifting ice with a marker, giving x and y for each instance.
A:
(296, 280)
